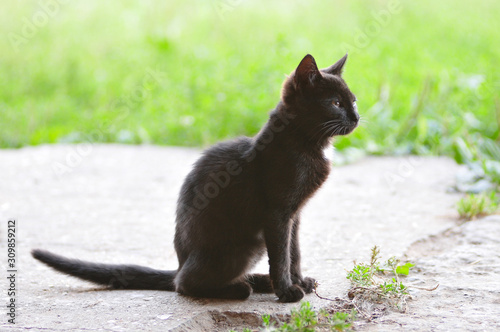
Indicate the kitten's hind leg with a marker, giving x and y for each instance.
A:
(237, 291)
(203, 276)
(261, 283)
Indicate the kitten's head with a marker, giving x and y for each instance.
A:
(321, 100)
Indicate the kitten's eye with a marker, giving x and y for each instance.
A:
(354, 104)
(336, 103)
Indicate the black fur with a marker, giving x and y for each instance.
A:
(244, 197)
(113, 276)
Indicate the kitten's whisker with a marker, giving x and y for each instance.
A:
(328, 123)
(330, 131)
(325, 128)
(319, 133)
(362, 119)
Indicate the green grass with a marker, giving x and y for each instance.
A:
(306, 319)
(424, 77)
(475, 205)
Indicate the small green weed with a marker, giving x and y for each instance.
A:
(342, 321)
(362, 274)
(482, 156)
(475, 205)
(378, 283)
(306, 319)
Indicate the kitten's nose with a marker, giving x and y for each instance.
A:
(354, 116)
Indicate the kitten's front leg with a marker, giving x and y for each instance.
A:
(306, 283)
(277, 234)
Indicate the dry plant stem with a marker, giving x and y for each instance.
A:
(396, 274)
(321, 297)
(349, 302)
(425, 289)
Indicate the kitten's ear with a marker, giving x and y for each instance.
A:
(336, 69)
(307, 73)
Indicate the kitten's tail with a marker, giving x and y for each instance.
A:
(113, 276)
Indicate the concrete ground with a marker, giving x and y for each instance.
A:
(115, 204)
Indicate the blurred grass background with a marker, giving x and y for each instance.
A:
(426, 73)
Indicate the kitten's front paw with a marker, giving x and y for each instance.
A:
(308, 284)
(293, 293)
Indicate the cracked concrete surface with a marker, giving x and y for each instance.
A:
(115, 204)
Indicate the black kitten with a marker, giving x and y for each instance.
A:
(245, 196)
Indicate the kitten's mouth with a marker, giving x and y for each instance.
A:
(345, 129)
(336, 127)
